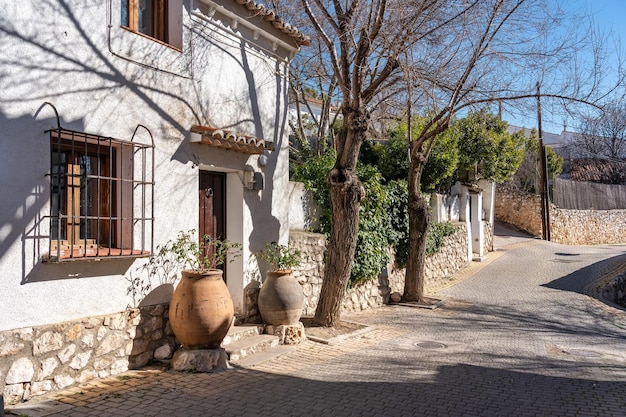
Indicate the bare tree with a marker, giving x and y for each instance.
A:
(437, 57)
(598, 152)
(603, 136)
(308, 75)
(496, 52)
(363, 44)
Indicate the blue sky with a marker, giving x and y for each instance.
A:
(609, 15)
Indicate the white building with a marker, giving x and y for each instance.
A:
(123, 123)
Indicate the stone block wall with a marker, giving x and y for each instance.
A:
(488, 234)
(36, 360)
(311, 271)
(587, 227)
(568, 227)
(451, 258)
(522, 210)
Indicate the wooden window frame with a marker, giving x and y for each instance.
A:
(80, 199)
(158, 17)
(98, 209)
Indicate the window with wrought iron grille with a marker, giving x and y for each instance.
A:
(101, 196)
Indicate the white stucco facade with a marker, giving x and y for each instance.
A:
(105, 80)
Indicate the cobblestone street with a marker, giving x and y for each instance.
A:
(518, 336)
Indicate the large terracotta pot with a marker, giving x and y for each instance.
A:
(201, 310)
(281, 299)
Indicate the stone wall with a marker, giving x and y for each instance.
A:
(451, 258)
(36, 360)
(587, 227)
(569, 227)
(311, 271)
(522, 210)
(488, 234)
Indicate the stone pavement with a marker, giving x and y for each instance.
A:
(518, 336)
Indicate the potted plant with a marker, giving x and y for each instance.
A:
(201, 310)
(281, 298)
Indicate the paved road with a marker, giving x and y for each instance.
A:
(517, 337)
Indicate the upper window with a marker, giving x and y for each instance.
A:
(149, 17)
(100, 196)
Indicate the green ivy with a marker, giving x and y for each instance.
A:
(383, 216)
(371, 253)
(398, 219)
(436, 236)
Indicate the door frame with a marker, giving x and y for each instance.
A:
(212, 192)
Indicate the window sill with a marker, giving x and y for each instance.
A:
(143, 35)
(92, 254)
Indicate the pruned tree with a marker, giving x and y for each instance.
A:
(494, 53)
(363, 42)
(438, 57)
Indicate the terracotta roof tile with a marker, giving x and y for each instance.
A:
(269, 15)
(229, 140)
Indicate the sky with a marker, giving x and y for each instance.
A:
(609, 15)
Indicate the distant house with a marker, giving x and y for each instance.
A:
(124, 123)
(604, 171)
(308, 113)
(549, 139)
(580, 165)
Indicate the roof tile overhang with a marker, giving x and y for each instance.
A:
(277, 22)
(229, 140)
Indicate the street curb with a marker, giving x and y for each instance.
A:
(599, 288)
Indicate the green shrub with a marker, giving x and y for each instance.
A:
(371, 252)
(383, 216)
(436, 236)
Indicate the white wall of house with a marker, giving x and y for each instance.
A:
(105, 80)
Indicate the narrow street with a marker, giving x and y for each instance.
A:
(517, 336)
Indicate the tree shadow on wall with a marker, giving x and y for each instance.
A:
(58, 53)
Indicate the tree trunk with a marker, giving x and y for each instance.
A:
(419, 222)
(346, 193)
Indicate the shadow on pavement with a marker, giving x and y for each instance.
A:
(578, 280)
(505, 235)
(408, 390)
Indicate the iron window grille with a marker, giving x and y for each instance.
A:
(101, 196)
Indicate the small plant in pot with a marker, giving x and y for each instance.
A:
(281, 298)
(201, 309)
(202, 255)
(280, 257)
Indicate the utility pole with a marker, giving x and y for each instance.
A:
(545, 199)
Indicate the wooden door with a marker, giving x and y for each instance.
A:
(212, 199)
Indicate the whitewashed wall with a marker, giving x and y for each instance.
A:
(107, 82)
